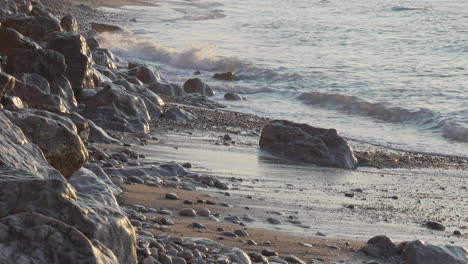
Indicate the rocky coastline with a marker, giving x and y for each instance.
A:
(72, 181)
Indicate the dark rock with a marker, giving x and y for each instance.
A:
(135, 179)
(380, 246)
(201, 101)
(144, 73)
(167, 89)
(274, 221)
(7, 82)
(196, 85)
(241, 233)
(78, 58)
(435, 225)
(47, 63)
(294, 260)
(228, 234)
(257, 258)
(305, 143)
(12, 39)
(37, 28)
(418, 252)
(187, 212)
(177, 114)
(101, 28)
(92, 43)
(69, 24)
(227, 76)
(269, 253)
(232, 97)
(104, 58)
(171, 196)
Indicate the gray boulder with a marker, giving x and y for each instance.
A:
(12, 39)
(37, 28)
(61, 87)
(19, 157)
(323, 147)
(179, 115)
(227, 76)
(104, 58)
(78, 58)
(69, 24)
(144, 73)
(196, 85)
(380, 246)
(167, 89)
(418, 252)
(56, 136)
(232, 97)
(115, 109)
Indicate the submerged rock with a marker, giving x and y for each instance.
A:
(232, 97)
(418, 252)
(309, 144)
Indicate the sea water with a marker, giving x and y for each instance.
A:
(392, 73)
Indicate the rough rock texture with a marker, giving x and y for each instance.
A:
(56, 136)
(104, 58)
(7, 82)
(418, 252)
(62, 88)
(168, 89)
(48, 241)
(37, 28)
(145, 74)
(196, 85)
(115, 109)
(180, 115)
(78, 58)
(12, 39)
(19, 158)
(309, 144)
(69, 24)
(99, 135)
(47, 63)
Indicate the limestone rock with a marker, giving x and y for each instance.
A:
(56, 136)
(78, 58)
(196, 85)
(418, 252)
(305, 143)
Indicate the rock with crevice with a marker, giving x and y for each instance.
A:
(305, 143)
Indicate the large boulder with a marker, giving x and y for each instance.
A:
(418, 252)
(52, 240)
(167, 89)
(78, 58)
(47, 63)
(19, 157)
(69, 23)
(196, 85)
(7, 82)
(323, 147)
(37, 28)
(61, 87)
(12, 39)
(56, 136)
(179, 115)
(144, 73)
(114, 108)
(104, 58)
(380, 246)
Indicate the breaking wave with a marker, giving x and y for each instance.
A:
(423, 117)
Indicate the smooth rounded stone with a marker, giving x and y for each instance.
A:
(380, 246)
(228, 234)
(197, 254)
(167, 221)
(210, 202)
(145, 233)
(274, 221)
(178, 260)
(251, 242)
(305, 244)
(332, 247)
(349, 194)
(196, 85)
(214, 218)
(135, 223)
(134, 163)
(204, 212)
(241, 233)
(232, 97)
(202, 248)
(144, 73)
(223, 260)
(135, 179)
(198, 225)
(221, 185)
(187, 212)
(278, 260)
(257, 258)
(323, 147)
(179, 115)
(294, 260)
(435, 225)
(186, 254)
(227, 76)
(150, 260)
(269, 253)
(224, 204)
(172, 196)
(165, 259)
(164, 212)
(419, 252)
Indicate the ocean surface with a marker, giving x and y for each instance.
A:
(390, 73)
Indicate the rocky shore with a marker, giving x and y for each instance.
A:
(75, 189)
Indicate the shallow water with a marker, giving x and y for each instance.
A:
(316, 195)
(386, 72)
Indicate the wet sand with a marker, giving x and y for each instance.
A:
(114, 3)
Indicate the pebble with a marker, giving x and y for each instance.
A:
(187, 212)
(150, 260)
(251, 242)
(305, 244)
(274, 221)
(204, 212)
(187, 165)
(332, 246)
(435, 225)
(198, 225)
(269, 253)
(188, 202)
(320, 234)
(227, 137)
(294, 260)
(348, 194)
(241, 233)
(457, 232)
(172, 196)
(167, 221)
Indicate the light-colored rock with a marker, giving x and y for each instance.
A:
(380, 246)
(309, 144)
